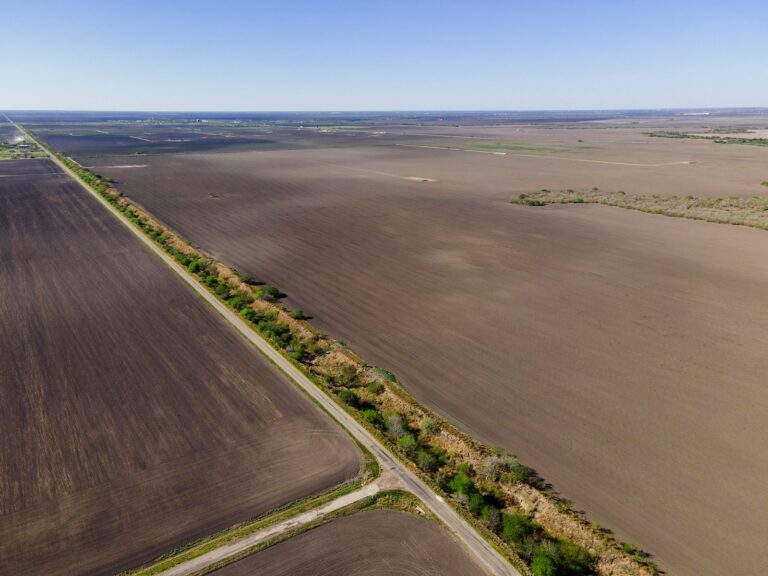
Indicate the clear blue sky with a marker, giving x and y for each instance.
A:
(382, 55)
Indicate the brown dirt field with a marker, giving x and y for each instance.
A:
(374, 543)
(620, 354)
(133, 418)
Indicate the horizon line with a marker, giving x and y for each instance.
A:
(384, 110)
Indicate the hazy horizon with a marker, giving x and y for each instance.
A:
(709, 109)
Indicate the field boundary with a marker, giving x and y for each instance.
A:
(484, 487)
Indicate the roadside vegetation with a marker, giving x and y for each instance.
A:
(741, 211)
(508, 502)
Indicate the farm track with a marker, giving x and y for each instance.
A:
(486, 555)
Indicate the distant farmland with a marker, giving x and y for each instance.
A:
(375, 543)
(133, 419)
(7, 132)
(620, 354)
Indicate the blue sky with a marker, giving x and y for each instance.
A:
(377, 55)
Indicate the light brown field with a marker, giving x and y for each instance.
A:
(375, 543)
(133, 419)
(620, 354)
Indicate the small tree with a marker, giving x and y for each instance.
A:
(426, 461)
(461, 483)
(543, 564)
(374, 417)
(395, 425)
(429, 426)
(516, 528)
(349, 397)
(407, 443)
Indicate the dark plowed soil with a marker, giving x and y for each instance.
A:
(620, 354)
(133, 419)
(377, 543)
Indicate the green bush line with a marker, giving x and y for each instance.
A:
(739, 211)
(471, 490)
(716, 137)
(475, 496)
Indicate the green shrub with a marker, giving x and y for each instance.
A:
(222, 290)
(561, 558)
(238, 302)
(386, 374)
(296, 350)
(429, 426)
(542, 563)
(270, 315)
(525, 200)
(248, 313)
(407, 444)
(426, 461)
(297, 314)
(268, 293)
(461, 484)
(373, 417)
(194, 266)
(516, 528)
(572, 559)
(347, 375)
(349, 397)
(375, 387)
(476, 503)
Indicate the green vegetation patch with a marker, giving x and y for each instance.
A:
(716, 137)
(511, 147)
(742, 211)
(21, 150)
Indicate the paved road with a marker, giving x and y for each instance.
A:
(228, 550)
(485, 554)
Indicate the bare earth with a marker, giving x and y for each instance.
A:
(133, 419)
(620, 354)
(375, 543)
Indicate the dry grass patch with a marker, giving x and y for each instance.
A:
(740, 211)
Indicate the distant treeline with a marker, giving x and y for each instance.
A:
(715, 139)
